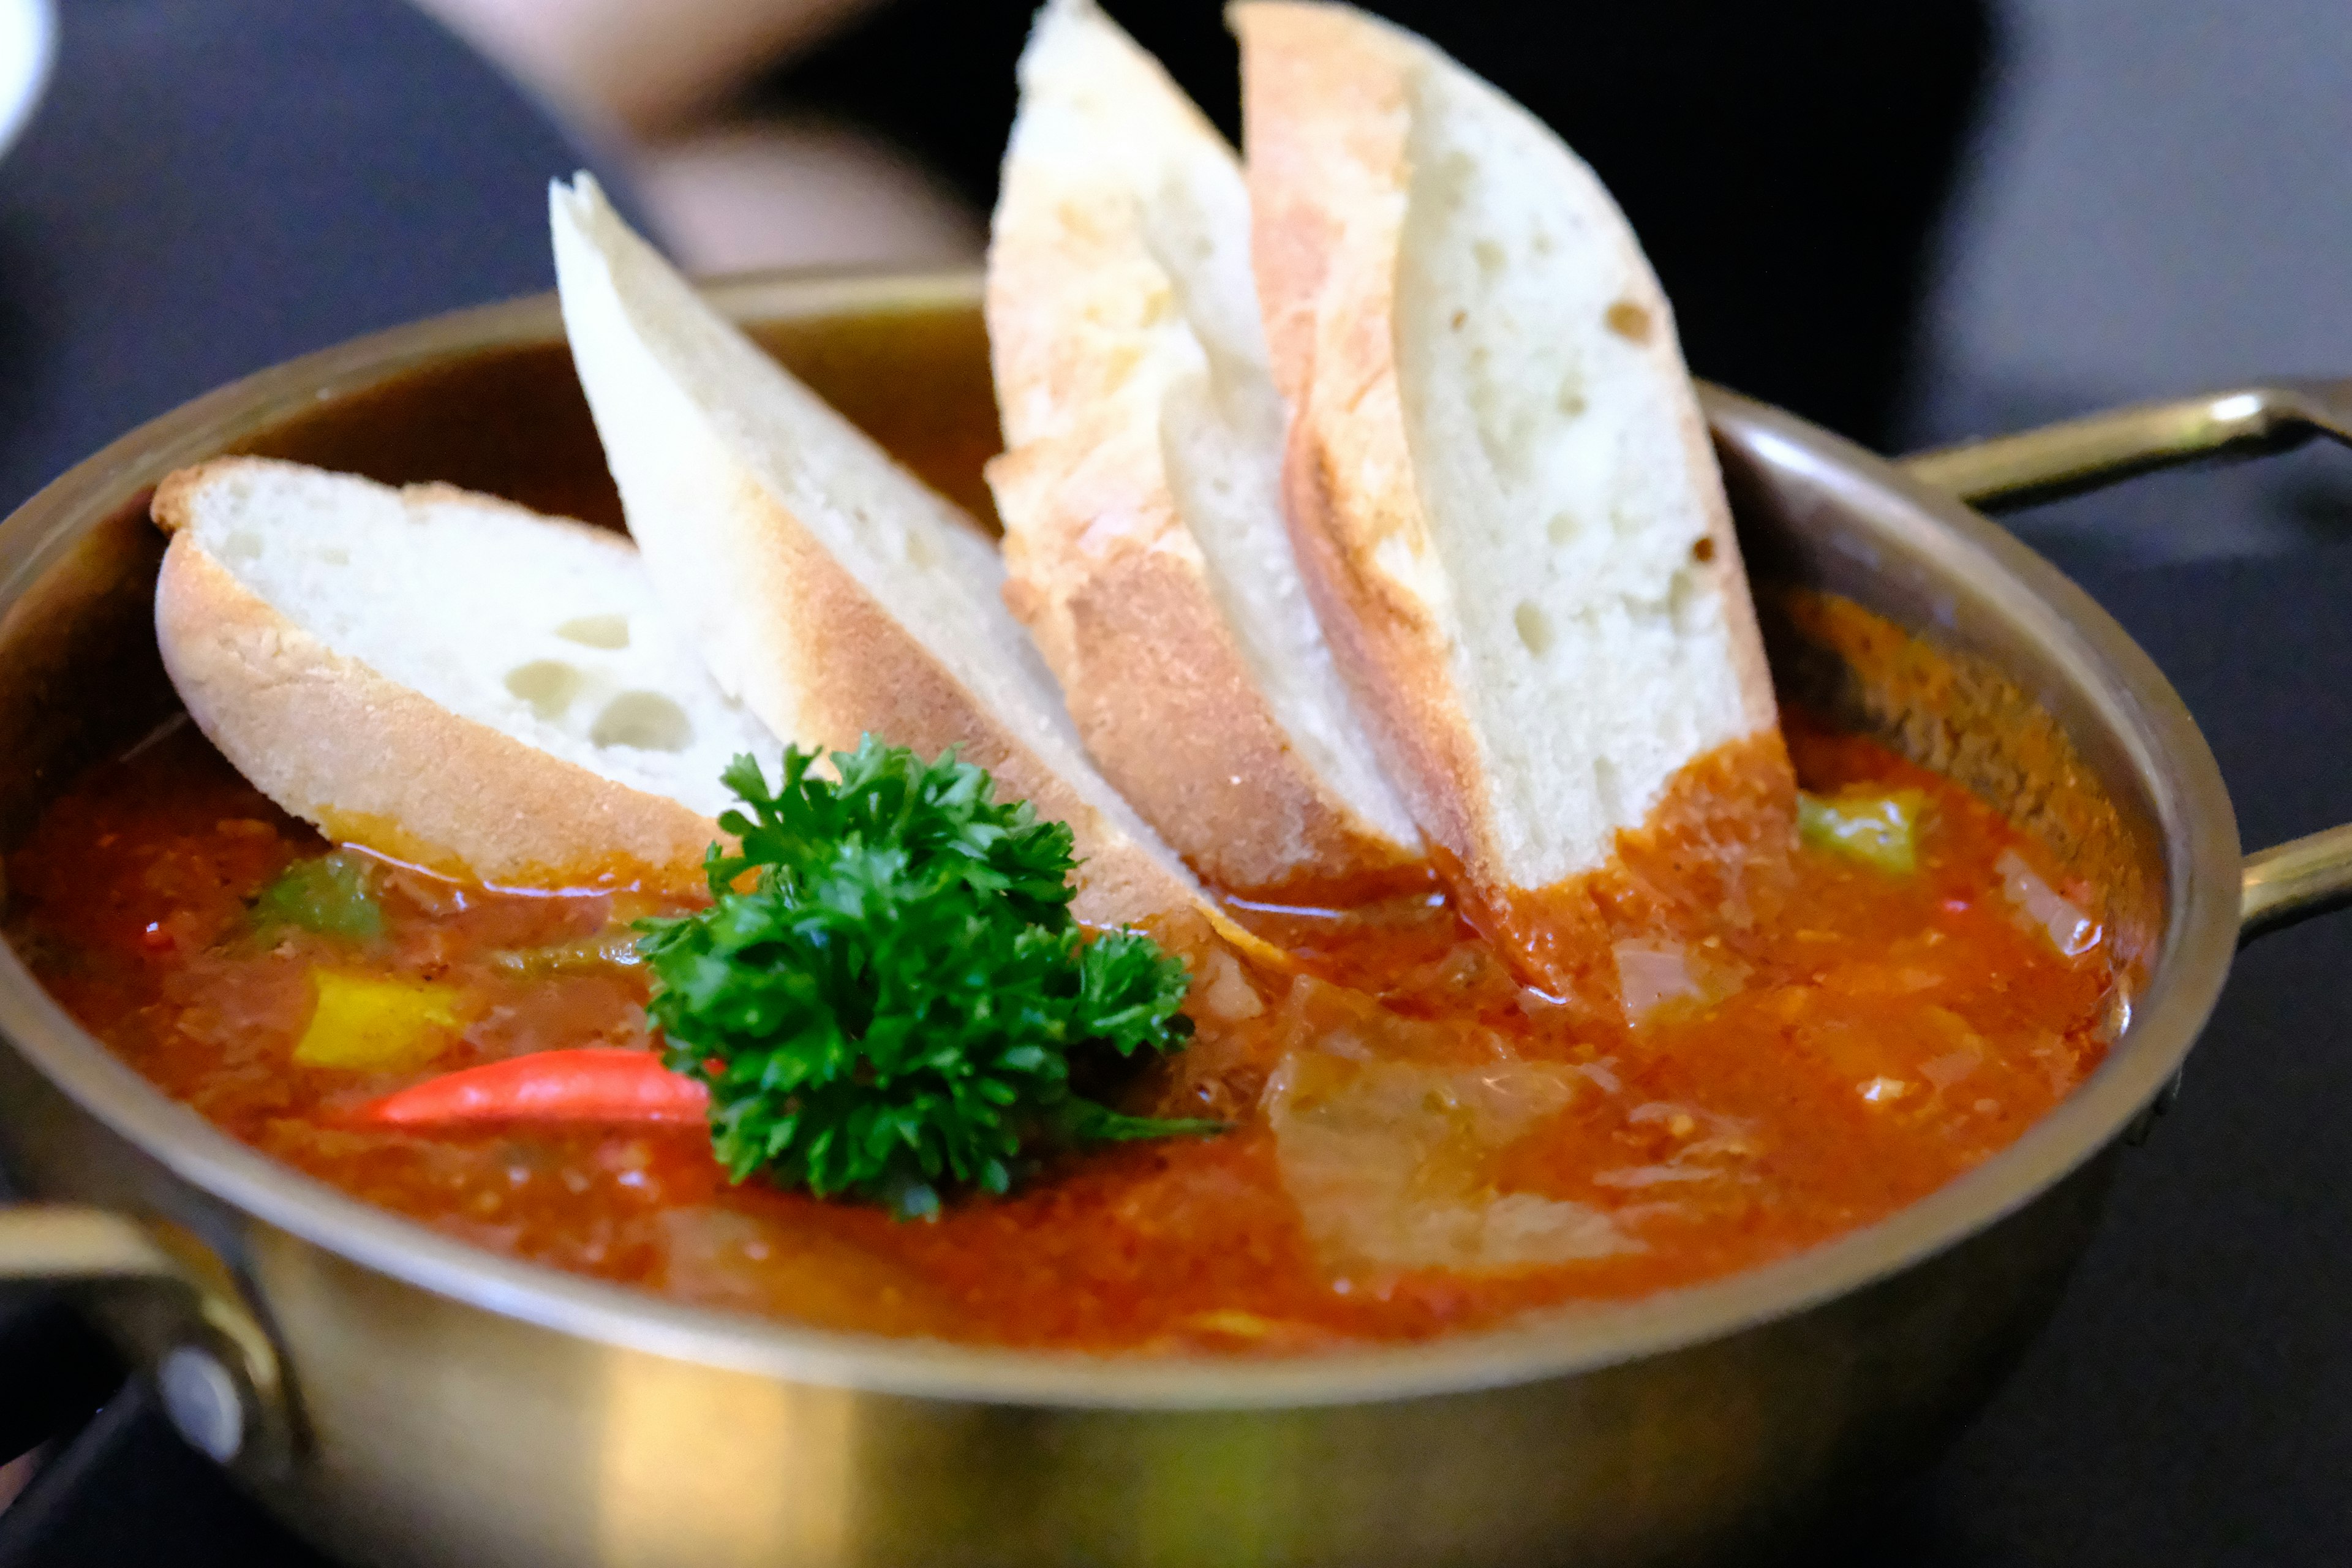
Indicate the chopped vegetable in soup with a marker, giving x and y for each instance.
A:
(1879, 829)
(1413, 1141)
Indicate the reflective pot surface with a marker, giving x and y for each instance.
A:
(401, 1397)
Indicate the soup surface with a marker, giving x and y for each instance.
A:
(1416, 1143)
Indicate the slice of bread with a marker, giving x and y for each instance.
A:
(1141, 485)
(443, 677)
(1506, 501)
(827, 585)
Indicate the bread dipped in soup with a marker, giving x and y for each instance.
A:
(1506, 507)
(1140, 487)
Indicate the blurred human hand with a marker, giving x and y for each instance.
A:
(648, 66)
(727, 192)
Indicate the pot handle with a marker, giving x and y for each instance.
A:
(2097, 449)
(2288, 882)
(222, 1381)
(2296, 880)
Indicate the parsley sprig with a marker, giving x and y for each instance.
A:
(893, 999)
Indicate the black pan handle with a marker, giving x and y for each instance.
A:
(221, 1379)
(2287, 882)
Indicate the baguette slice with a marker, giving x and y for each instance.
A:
(442, 677)
(1141, 485)
(1505, 503)
(827, 585)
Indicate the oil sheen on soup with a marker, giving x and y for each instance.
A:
(1416, 1143)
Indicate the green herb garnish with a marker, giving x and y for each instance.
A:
(332, 894)
(896, 996)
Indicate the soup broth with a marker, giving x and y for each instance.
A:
(1416, 1142)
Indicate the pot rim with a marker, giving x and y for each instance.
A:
(2130, 696)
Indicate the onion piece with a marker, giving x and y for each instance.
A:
(1386, 1161)
(1654, 971)
(2069, 931)
(1603, 1073)
(1650, 973)
(1225, 992)
(1715, 1148)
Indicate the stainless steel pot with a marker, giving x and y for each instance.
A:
(401, 1397)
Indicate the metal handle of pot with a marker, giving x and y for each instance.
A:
(2288, 882)
(2098, 449)
(222, 1382)
(2296, 880)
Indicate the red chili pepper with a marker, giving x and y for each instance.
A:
(591, 1085)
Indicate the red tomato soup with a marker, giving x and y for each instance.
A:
(1417, 1144)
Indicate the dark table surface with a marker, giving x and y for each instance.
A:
(2192, 1402)
(209, 189)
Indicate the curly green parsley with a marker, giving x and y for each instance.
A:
(895, 999)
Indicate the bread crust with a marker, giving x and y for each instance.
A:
(1325, 110)
(376, 764)
(1102, 568)
(785, 623)
(1162, 698)
(867, 673)
(1328, 104)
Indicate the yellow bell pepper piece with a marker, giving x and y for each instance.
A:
(364, 1023)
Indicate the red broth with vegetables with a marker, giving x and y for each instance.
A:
(1412, 1142)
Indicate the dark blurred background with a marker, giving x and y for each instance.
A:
(1911, 222)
